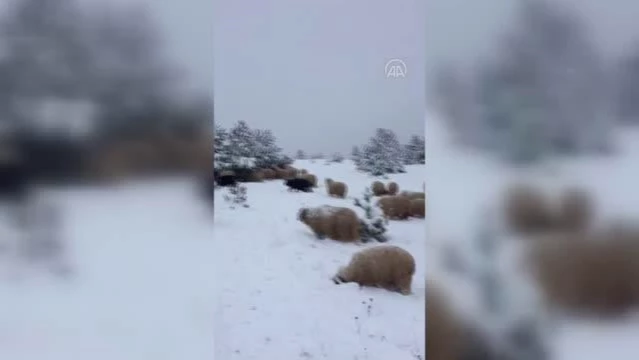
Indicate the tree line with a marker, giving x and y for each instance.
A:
(546, 89)
(109, 55)
(242, 148)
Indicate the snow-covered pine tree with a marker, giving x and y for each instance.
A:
(366, 159)
(241, 144)
(265, 151)
(300, 155)
(222, 155)
(373, 224)
(519, 328)
(283, 159)
(415, 150)
(383, 154)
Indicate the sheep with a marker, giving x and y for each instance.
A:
(392, 188)
(589, 272)
(413, 195)
(527, 210)
(444, 329)
(268, 174)
(15, 179)
(310, 177)
(336, 188)
(111, 164)
(385, 266)
(289, 172)
(299, 184)
(256, 175)
(226, 178)
(378, 188)
(303, 172)
(337, 223)
(395, 207)
(576, 209)
(418, 208)
(280, 174)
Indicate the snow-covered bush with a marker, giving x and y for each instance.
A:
(373, 224)
(236, 195)
(512, 318)
(336, 158)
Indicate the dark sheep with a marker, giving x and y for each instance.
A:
(299, 184)
(15, 175)
(226, 180)
(15, 182)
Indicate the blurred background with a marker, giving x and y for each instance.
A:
(531, 158)
(105, 142)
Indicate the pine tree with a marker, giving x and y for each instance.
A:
(223, 159)
(300, 155)
(373, 225)
(284, 160)
(241, 144)
(415, 150)
(265, 151)
(383, 154)
(522, 330)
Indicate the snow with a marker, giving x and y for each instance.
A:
(463, 185)
(143, 256)
(277, 300)
(156, 279)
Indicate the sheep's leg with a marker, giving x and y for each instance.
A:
(338, 280)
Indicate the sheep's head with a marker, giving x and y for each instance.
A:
(302, 213)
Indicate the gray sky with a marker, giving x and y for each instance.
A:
(464, 30)
(313, 71)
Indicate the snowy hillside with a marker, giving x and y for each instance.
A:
(277, 300)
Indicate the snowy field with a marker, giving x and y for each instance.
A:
(461, 186)
(144, 262)
(277, 300)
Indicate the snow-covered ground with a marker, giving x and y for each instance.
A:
(462, 185)
(143, 288)
(156, 279)
(276, 297)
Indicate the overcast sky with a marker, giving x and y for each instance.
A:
(313, 71)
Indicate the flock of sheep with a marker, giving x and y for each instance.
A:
(582, 266)
(384, 266)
